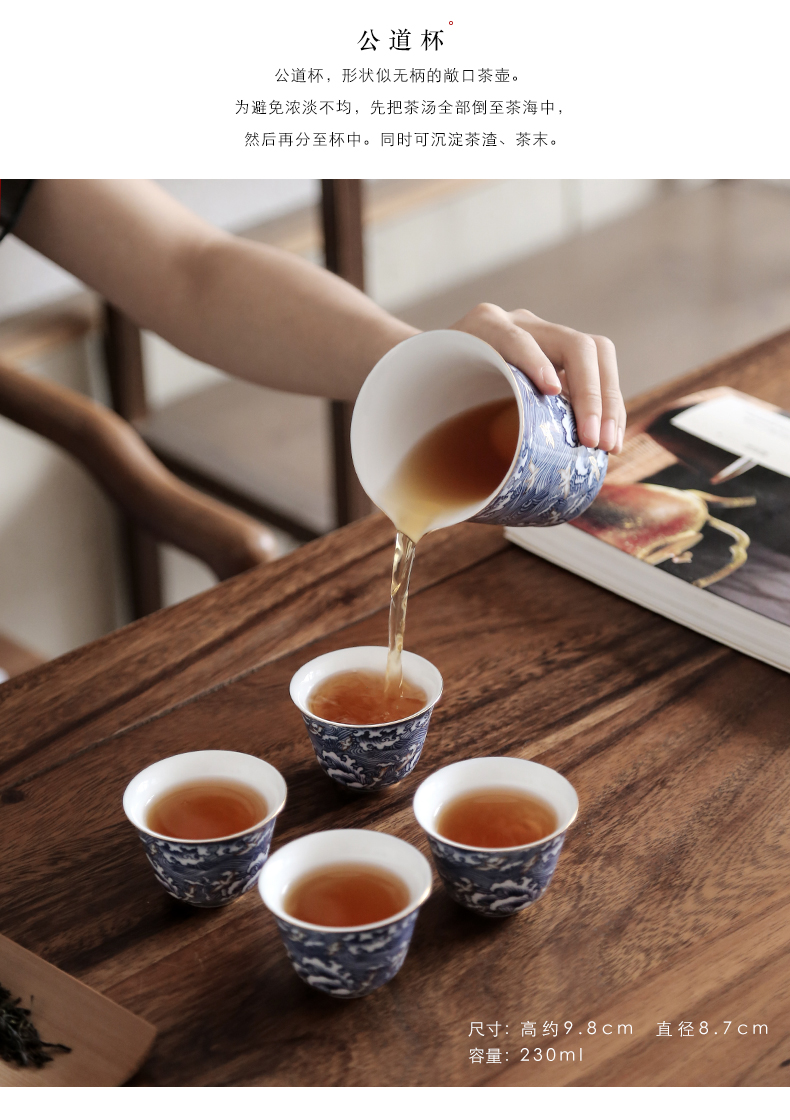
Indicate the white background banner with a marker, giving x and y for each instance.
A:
(685, 88)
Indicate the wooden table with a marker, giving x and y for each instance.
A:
(671, 902)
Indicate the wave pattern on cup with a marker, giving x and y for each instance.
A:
(368, 757)
(346, 961)
(351, 964)
(555, 478)
(211, 872)
(496, 884)
(206, 873)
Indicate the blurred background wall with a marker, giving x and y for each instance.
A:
(676, 272)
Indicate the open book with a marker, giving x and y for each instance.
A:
(693, 522)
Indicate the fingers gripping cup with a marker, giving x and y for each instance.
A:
(467, 810)
(206, 819)
(321, 887)
(547, 476)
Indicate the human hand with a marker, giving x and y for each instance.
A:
(558, 359)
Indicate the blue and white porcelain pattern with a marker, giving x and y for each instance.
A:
(368, 758)
(206, 872)
(209, 873)
(555, 478)
(347, 963)
(496, 883)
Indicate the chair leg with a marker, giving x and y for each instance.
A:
(123, 355)
(341, 210)
(143, 570)
(351, 501)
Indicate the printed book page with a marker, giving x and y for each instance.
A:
(751, 431)
(712, 520)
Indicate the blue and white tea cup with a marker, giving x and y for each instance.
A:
(371, 756)
(430, 377)
(206, 872)
(495, 882)
(346, 961)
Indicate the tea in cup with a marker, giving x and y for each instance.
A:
(362, 738)
(345, 902)
(496, 827)
(206, 819)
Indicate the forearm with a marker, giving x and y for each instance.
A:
(249, 309)
(271, 317)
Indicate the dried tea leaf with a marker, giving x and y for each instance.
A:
(19, 1040)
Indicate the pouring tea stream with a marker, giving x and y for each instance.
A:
(445, 431)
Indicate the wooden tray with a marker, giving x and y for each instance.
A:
(107, 1042)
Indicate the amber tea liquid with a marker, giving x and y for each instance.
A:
(359, 696)
(496, 818)
(206, 810)
(346, 894)
(459, 462)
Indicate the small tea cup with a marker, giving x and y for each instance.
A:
(346, 962)
(212, 872)
(495, 882)
(373, 756)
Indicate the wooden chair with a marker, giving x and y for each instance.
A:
(341, 214)
(161, 506)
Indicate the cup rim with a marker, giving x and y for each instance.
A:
(559, 831)
(389, 723)
(136, 822)
(284, 916)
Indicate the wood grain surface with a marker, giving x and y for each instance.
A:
(671, 899)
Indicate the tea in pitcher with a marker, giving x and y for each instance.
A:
(459, 462)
